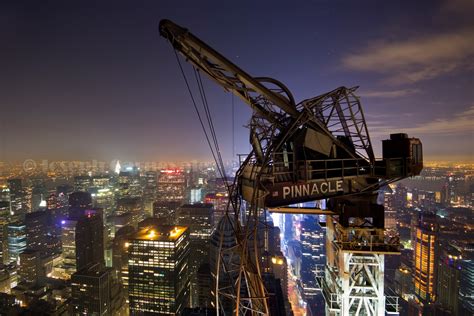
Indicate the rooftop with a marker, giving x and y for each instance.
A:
(160, 232)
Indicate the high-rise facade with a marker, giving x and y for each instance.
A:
(91, 291)
(425, 254)
(447, 285)
(171, 185)
(200, 220)
(82, 243)
(466, 284)
(16, 240)
(313, 254)
(158, 270)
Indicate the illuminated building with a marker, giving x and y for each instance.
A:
(129, 184)
(425, 255)
(104, 198)
(196, 195)
(220, 201)
(313, 253)
(82, 183)
(200, 220)
(16, 240)
(82, 242)
(101, 182)
(171, 185)
(165, 211)
(466, 284)
(30, 266)
(149, 191)
(16, 193)
(37, 230)
(449, 272)
(158, 270)
(133, 206)
(4, 213)
(223, 238)
(120, 247)
(280, 271)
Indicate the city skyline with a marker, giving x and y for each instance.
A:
(97, 82)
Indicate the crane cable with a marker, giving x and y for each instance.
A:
(218, 165)
(205, 104)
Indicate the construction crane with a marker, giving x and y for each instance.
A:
(316, 149)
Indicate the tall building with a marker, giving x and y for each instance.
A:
(171, 185)
(133, 206)
(425, 254)
(16, 240)
(129, 184)
(37, 230)
(30, 266)
(4, 213)
(91, 291)
(80, 200)
(120, 247)
(17, 196)
(220, 200)
(149, 190)
(165, 211)
(158, 270)
(223, 254)
(82, 242)
(200, 220)
(466, 284)
(82, 183)
(449, 272)
(313, 254)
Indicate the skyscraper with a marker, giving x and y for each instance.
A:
(165, 211)
(4, 213)
(447, 285)
(425, 253)
(91, 291)
(313, 254)
(171, 185)
(82, 183)
(200, 220)
(16, 240)
(17, 202)
(466, 285)
(36, 230)
(158, 270)
(82, 243)
(30, 266)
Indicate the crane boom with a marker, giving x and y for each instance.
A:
(252, 90)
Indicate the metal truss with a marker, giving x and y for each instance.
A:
(353, 279)
(341, 113)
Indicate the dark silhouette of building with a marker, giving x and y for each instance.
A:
(200, 220)
(92, 291)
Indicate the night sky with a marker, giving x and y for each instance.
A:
(94, 80)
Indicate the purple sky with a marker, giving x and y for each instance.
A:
(94, 80)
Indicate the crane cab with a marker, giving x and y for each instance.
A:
(403, 156)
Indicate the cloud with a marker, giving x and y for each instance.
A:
(416, 59)
(459, 124)
(389, 94)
